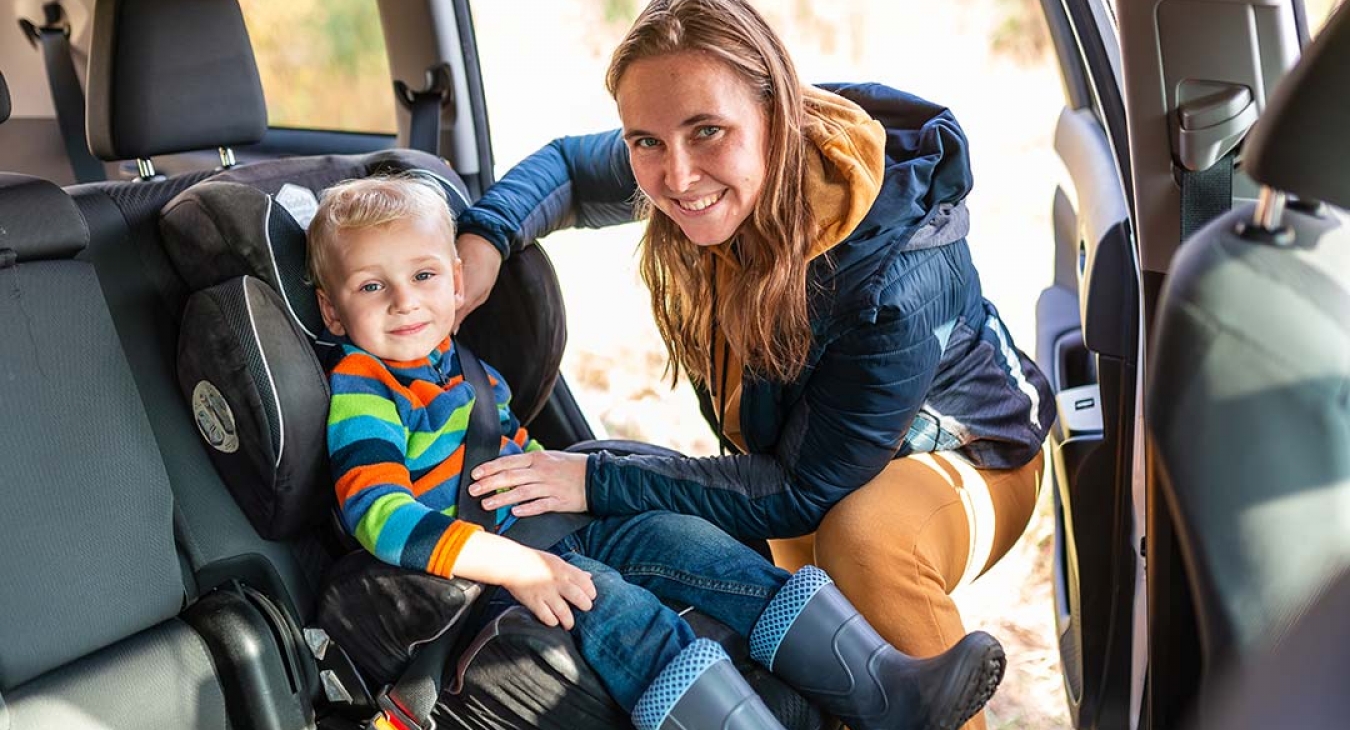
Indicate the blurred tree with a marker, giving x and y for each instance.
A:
(323, 64)
(1020, 33)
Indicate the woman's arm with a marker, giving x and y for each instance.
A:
(850, 422)
(573, 181)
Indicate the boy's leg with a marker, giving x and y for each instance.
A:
(628, 636)
(652, 664)
(686, 560)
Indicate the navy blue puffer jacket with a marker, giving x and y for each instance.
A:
(907, 356)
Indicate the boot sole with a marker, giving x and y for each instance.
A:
(979, 686)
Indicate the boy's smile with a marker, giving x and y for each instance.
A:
(393, 290)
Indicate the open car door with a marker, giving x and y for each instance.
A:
(1159, 97)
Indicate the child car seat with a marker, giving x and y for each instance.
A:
(245, 361)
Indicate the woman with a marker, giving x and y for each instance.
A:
(806, 254)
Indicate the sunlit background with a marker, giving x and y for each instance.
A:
(543, 66)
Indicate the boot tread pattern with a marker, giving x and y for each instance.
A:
(981, 686)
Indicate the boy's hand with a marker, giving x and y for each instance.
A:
(482, 262)
(550, 586)
(544, 583)
(536, 481)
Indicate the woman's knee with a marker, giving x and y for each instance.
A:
(908, 524)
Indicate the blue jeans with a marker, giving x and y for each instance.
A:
(637, 562)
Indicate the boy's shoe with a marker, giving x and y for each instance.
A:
(701, 690)
(812, 637)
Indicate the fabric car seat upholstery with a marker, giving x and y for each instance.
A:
(91, 634)
(1247, 406)
(144, 294)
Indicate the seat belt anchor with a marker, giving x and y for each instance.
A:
(394, 717)
(54, 18)
(439, 84)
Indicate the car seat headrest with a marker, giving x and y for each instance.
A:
(1304, 127)
(4, 99)
(167, 76)
(38, 220)
(251, 220)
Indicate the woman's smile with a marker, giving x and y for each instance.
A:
(699, 205)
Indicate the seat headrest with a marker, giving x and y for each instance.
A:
(38, 220)
(251, 220)
(167, 76)
(4, 99)
(1303, 130)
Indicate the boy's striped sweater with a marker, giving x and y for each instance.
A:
(396, 446)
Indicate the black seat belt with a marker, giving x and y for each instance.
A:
(1205, 195)
(67, 96)
(424, 107)
(408, 703)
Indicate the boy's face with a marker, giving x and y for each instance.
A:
(393, 289)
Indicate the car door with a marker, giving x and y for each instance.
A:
(1158, 98)
(1087, 342)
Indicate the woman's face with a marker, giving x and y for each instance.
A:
(697, 137)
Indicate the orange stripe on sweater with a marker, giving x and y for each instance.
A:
(365, 366)
(440, 473)
(448, 548)
(364, 477)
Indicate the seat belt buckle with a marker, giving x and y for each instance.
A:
(394, 717)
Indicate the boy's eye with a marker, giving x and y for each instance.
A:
(371, 286)
(423, 275)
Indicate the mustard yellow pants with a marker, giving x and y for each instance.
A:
(899, 545)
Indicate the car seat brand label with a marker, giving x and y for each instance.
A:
(214, 418)
(299, 202)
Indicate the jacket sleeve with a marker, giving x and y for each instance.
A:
(853, 416)
(572, 182)
(367, 448)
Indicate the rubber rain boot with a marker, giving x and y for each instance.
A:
(702, 690)
(816, 641)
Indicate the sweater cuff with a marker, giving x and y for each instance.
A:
(447, 550)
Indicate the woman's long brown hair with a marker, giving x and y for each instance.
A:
(760, 307)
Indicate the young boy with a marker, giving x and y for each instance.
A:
(382, 256)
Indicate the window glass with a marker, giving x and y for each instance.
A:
(1318, 12)
(323, 64)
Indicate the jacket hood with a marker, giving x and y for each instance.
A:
(843, 179)
(926, 175)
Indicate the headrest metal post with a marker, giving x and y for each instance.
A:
(226, 158)
(1269, 209)
(145, 168)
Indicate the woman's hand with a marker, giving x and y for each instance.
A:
(536, 482)
(482, 262)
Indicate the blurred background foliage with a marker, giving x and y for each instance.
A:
(306, 48)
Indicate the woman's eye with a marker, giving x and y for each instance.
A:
(645, 143)
(707, 131)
